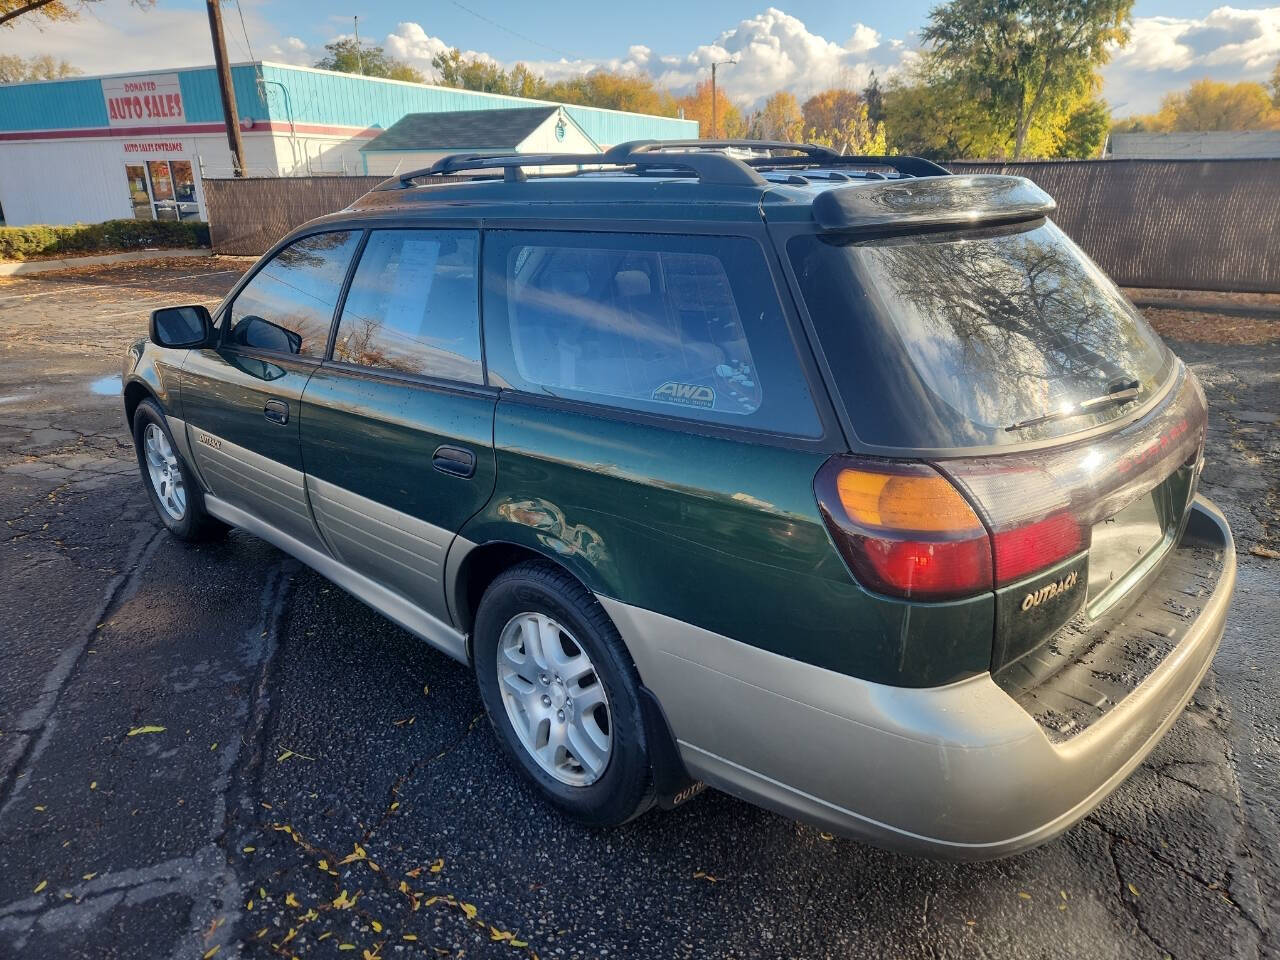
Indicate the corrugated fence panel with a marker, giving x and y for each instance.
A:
(1181, 224)
(247, 216)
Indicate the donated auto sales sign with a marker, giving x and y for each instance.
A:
(151, 100)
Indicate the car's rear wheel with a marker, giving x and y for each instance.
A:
(562, 693)
(169, 481)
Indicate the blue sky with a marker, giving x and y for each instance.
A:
(801, 46)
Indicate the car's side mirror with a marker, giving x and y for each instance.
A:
(189, 326)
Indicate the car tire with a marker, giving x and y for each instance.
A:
(172, 485)
(540, 592)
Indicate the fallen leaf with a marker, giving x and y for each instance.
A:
(438, 865)
(1134, 890)
(213, 746)
(346, 946)
(470, 910)
(88, 876)
(211, 951)
(290, 900)
(93, 785)
(425, 689)
(148, 729)
(1267, 552)
(1024, 896)
(357, 853)
(409, 936)
(377, 927)
(249, 905)
(261, 933)
(262, 893)
(40, 809)
(40, 886)
(250, 849)
(292, 753)
(325, 936)
(394, 804)
(323, 864)
(703, 875)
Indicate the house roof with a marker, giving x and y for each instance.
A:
(462, 129)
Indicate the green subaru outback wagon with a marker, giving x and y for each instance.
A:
(841, 484)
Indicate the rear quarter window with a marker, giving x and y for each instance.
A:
(687, 327)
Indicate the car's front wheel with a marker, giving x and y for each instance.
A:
(173, 489)
(562, 693)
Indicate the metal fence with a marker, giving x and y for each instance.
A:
(1181, 224)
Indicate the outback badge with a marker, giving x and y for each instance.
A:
(1050, 590)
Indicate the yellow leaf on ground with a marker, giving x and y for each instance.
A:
(88, 876)
(261, 933)
(40, 808)
(1024, 896)
(346, 946)
(1134, 890)
(211, 951)
(438, 865)
(409, 936)
(148, 729)
(40, 886)
(470, 910)
(93, 785)
(250, 849)
(290, 900)
(377, 927)
(325, 936)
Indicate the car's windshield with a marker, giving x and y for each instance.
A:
(975, 338)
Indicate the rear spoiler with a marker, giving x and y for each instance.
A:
(931, 202)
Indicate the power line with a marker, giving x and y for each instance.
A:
(521, 36)
(243, 30)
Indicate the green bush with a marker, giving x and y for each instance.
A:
(111, 236)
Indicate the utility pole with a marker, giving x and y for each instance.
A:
(715, 129)
(229, 112)
(359, 59)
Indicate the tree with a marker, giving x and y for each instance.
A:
(1021, 58)
(697, 106)
(1210, 105)
(828, 111)
(1275, 84)
(49, 11)
(779, 119)
(454, 69)
(938, 120)
(635, 93)
(1085, 131)
(344, 56)
(855, 134)
(873, 94)
(15, 69)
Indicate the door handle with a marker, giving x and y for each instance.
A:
(277, 411)
(455, 461)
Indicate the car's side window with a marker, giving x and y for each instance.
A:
(682, 326)
(288, 305)
(411, 306)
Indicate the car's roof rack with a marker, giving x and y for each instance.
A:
(705, 159)
(808, 155)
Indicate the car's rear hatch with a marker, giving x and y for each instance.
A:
(997, 353)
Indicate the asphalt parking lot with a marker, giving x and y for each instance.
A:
(325, 785)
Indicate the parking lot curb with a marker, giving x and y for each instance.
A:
(24, 267)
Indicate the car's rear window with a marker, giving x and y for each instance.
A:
(975, 338)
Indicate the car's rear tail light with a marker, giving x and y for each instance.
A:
(904, 529)
(1021, 551)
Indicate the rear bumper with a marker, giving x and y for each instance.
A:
(961, 771)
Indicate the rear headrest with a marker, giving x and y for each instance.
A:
(632, 283)
(572, 283)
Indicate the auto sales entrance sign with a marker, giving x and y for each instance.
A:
(153, 100)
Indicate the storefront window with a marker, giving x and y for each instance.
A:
(139, 196)
(163, 190)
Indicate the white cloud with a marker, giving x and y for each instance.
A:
(1167, 53)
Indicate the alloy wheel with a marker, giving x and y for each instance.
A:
(554, 699)
(166, 475)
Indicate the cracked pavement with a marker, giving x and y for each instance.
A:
(325, 785)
